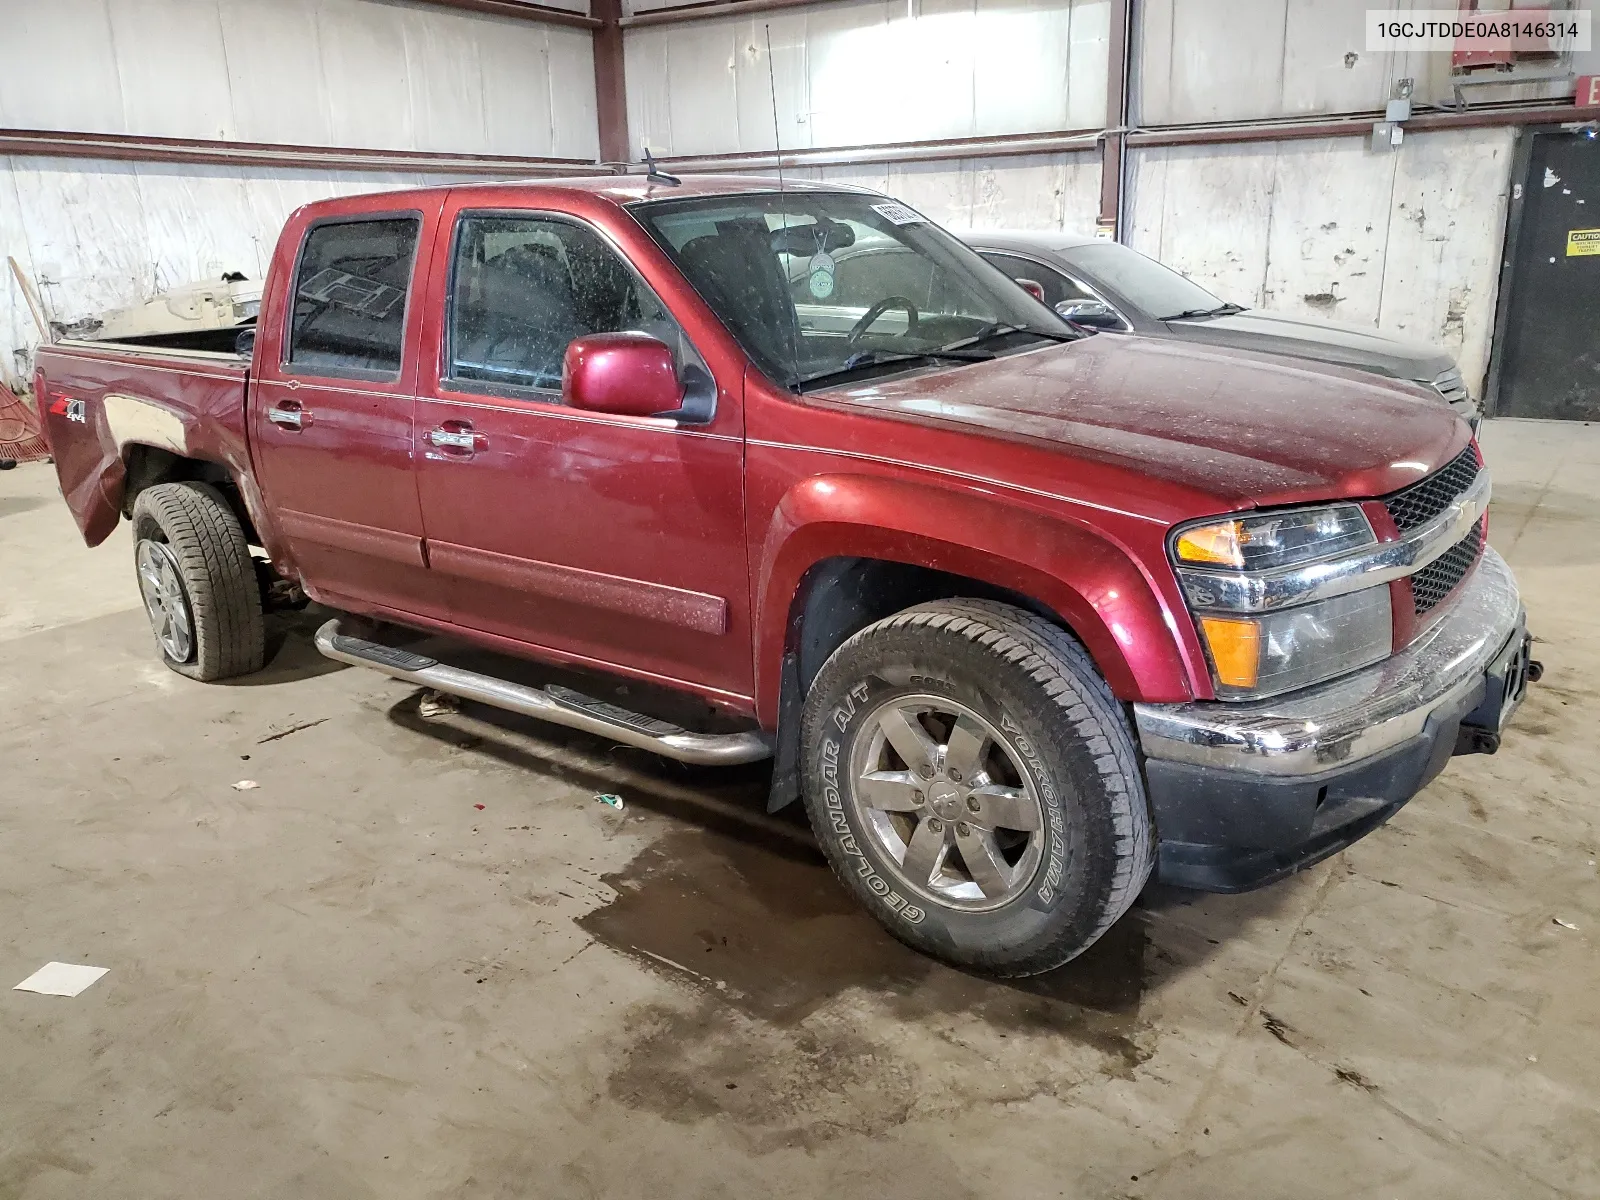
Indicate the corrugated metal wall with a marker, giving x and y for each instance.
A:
(97, 235)
(859, 73)
(1034, 191)
(1239, 60)
(1409, 240)
(365, 73)
(356, 73)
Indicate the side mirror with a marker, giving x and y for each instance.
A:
(1033, 287)
(1091, 314)
(630, 374)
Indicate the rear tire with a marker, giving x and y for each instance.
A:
(974, 783)
(197, 563)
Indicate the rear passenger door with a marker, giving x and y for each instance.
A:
(332, 414)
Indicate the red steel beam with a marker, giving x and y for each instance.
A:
(127, 148)
(679, 13)
(1116, 113)
(522, 10)
(939, 150)
(1360, 125)
(610, 82)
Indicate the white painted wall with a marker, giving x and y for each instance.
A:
(1235, 60)
(381, 74)
(863, 72)
(1408, 241)
(367, 73)
(1033, 191)
(98, 235)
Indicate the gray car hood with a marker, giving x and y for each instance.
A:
(1322, 341)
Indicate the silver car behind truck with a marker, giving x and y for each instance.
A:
(1104, 285)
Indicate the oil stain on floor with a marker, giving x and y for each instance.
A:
(792, 1016)
(804, 1020)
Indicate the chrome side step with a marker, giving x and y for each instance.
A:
(558, 705)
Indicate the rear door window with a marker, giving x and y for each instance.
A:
(350, 297)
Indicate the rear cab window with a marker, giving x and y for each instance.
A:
(351, 292)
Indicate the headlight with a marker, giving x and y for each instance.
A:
(1246, 577)
(1258, 543)
(1264, 655)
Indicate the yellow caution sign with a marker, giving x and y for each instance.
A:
(1583, 241)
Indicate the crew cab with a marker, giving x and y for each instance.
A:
(1024, 615)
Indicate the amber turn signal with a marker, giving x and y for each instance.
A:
(1235, 644)
(1222, 544)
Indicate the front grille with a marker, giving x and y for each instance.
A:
(1418, 504)
(1440, 577)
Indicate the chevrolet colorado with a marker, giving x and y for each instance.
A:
(1024, 615)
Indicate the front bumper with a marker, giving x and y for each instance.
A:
(1244, 794)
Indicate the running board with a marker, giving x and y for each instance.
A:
(558, 705)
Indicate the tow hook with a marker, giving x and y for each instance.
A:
(1476, 741)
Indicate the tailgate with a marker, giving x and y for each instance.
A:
(99, 400)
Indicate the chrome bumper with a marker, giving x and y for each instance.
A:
(1355, 718)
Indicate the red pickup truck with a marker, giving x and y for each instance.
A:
(1024, 614)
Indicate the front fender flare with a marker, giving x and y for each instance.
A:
(1094, 584)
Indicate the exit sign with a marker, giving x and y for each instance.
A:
(1588, 92)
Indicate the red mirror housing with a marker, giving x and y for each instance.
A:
(631, 374)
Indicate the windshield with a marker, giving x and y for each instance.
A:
(818, 285)
(1143, 282)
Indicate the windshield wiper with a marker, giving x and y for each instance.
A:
(868, 359)
(1189, 314)
(990, 332)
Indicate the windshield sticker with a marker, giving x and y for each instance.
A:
(898, 213)
(822, 271)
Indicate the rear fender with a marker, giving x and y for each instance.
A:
(92, 435)
(1094, 585)
(90, 439)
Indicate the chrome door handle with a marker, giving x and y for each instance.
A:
(289, 418)
(463, 440)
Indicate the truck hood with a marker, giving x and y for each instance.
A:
(1337, 342)
(1240, 428)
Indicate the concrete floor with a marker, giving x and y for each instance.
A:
(420, 960)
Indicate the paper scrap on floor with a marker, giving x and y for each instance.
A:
(60, 979)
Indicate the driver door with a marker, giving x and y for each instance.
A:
(604, 540)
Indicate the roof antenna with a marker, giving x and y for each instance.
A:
(772, 85)
(655, 176)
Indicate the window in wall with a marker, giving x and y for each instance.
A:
(350, 296)
(522, 288)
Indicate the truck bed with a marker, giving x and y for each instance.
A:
(98, 400)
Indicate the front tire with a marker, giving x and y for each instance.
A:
(974, 783)
(198, 582)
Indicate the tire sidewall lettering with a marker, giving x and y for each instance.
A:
(839, 721)
(1053, 866)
